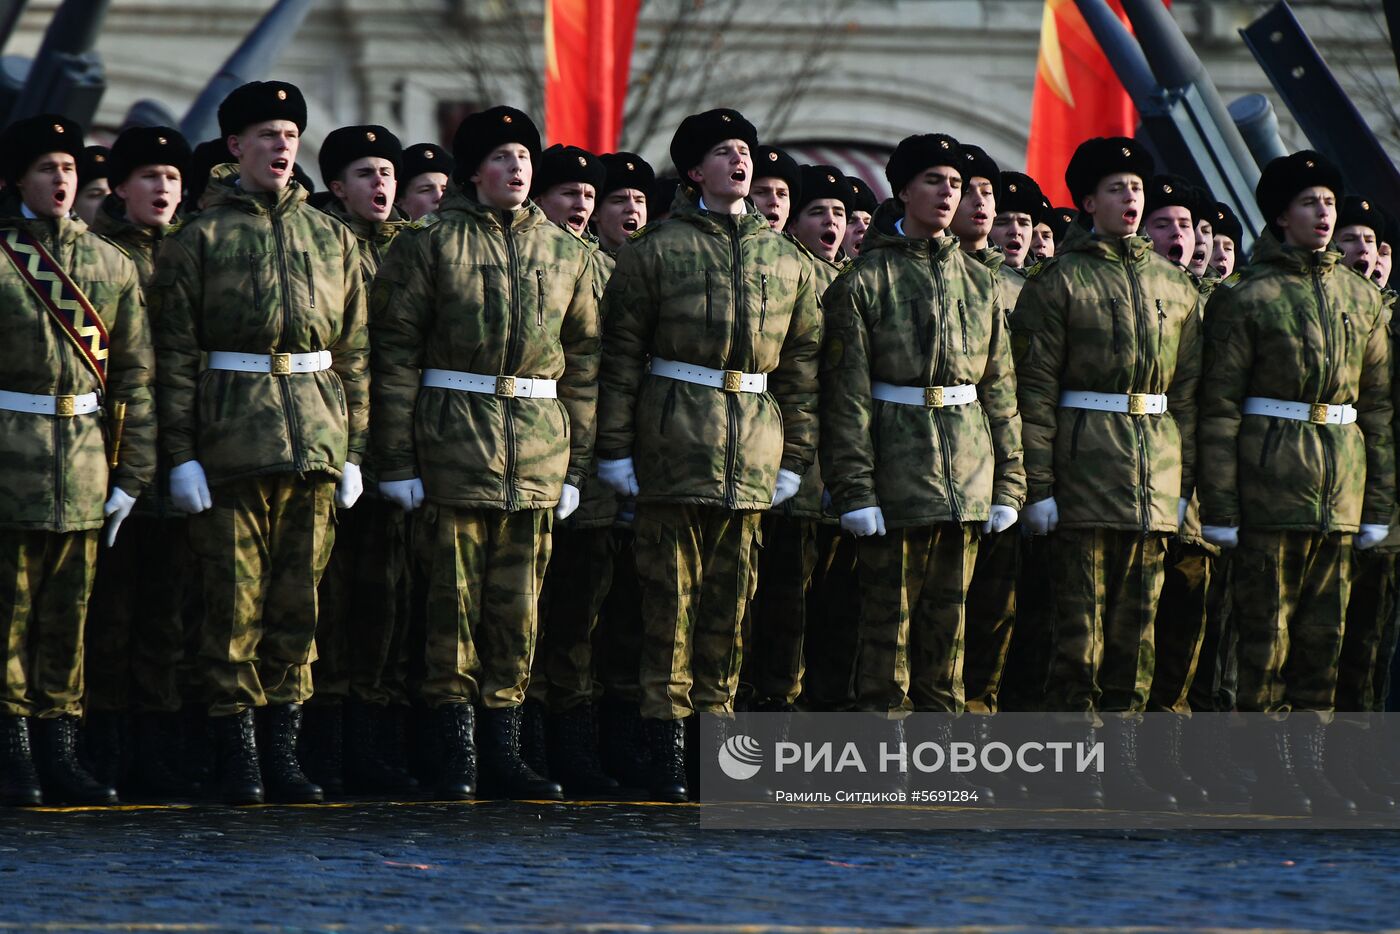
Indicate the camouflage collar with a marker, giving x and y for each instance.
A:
(529, 214)
(62, 230)
(1079, 240)
(882, 235)
(686, 207)
(1269, 251)
(836, 264)
(988, 256)
(378, 232)
(111, 222)
(224, 190)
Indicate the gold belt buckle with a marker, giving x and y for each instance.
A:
(65, 406)
(733, 381)
(933, 397)
(1137, 403)
(505, 387)
(281, 364)
(1317, 413)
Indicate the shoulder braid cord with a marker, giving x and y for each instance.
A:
(68, 307)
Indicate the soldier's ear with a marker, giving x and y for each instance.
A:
(235, 147)
(338, 189)
(695, 175)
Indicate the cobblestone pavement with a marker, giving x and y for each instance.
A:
(625, 867)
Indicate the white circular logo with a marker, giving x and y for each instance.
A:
(740, 757)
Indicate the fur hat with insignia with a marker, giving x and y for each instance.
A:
(918, 153)
(1357, 211)
(480, 133)
(352, 143)
(699, 133)
(560, 165)
(662, 195)
(259, 102)
(822, 183)
(1103, 156)
(772, 162)
(1285, 176)
(977, 164)
(1170, 191)
(863, 199)
(146, 145)
(26, 140)
(92, 165)
(1224, 223)
(1060, 220)
(422, 158)
(1019, 194)
(626, 170)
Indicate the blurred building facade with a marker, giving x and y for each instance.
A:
(838, 79)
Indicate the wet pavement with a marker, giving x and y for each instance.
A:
(499, 866)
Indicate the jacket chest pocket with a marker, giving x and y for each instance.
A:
(247, 281)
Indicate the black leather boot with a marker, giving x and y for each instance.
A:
(157, 759)
(455, 725)
(368, 750)
(1345, 763)
(1161, 738)
(573, 754)
(278, 727)
(62, 776)
(19, 780)
(622, 745)
(236, 759)
(321, 746)
(666, 744)
(1124, 786)
(504, 771)
(1308, 738)
(1275, 789)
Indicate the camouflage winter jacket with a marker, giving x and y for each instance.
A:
(721, 291)
(918, 312)
(1298, 327)
(53, 469)
(260, 273)
(373, 237)
(597, 508)
(1012, 282)
(1110, 316)
(494, 293)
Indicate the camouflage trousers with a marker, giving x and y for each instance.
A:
(1028, 657)
(485, 570)
(262, 550)
(361, 646)
(1180, 630)
(697, 569)
(991, 618)
(1364, 666)
(913, 593)
(135, 644)
(1291, 593)
(576, 585)
(617, 642)
(776, 622)
(1212, 689)
(45, 581)
(832, 642)
(1107, 586)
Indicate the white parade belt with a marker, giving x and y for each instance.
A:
(1132, 403)
(277, 364)
(928, 397)
(728, 380)
(38, 404)
(507, 387)
(1317, 413)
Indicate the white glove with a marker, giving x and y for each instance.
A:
(189, 490)
(1370, 536)
(568, 502)
(117, 509)
(620, 476)
(351, 486)
(788, 482)
(1221, 536)
(1003, 518)
(1042, 517)
(1181, 506)
(863, 522)
(406, 494)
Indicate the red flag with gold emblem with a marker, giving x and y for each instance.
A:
(1077, 96)
(588, 59)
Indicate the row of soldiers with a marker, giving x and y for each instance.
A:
(399, 445)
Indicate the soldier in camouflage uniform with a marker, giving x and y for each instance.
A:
(1203, 211)
(426, 168)
(55, 380)
(93, 187)
(1107, 338)
(136, 629)
(863, 206)
(360, 671)
(1043, 233)
(485, 336)
(708, 416)
(777, 185)
(1297, 460)
(1227, 240)
(566, 186)
(916, 371)
(259, 317)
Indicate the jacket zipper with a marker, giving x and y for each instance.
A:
(1328, 367)
(507, 410)
(1140, 329)
(731, 454)
(763, 301)
(962, 320)
(940, 378)
(1161, 325)
(310, 279)
(539, 291)
(1117, 333)
(1074, 436)
(288, 404)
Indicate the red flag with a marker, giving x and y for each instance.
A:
(588, 59)
(1077, 96)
